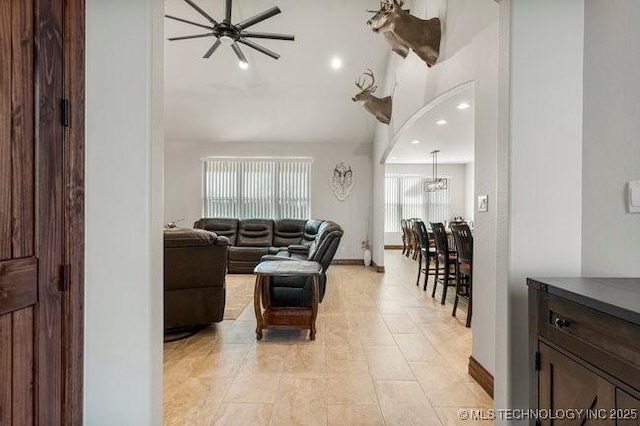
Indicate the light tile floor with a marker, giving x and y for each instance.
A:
(385, 353)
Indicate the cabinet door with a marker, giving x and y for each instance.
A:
(628, 409)
(564, 384)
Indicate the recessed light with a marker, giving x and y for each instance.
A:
(416, 142)
(441, 122)
(463, 105)
(394, 158)
(336, 63)
(244, 65)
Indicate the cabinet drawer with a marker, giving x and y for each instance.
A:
(606, 342)
(628, 409)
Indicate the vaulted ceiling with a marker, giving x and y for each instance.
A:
(298, 98)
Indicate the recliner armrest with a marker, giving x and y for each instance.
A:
(222, 241)
(298, 248)
(269, 257)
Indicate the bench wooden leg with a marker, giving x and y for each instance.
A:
(314, 308)
(257, 294)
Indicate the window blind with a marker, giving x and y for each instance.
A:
(405, 198)
(256, 187)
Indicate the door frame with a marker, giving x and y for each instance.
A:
(74, 211)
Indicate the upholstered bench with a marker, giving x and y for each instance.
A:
(278, 312)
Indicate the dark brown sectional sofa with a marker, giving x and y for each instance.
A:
(250, 239)
(255, 240)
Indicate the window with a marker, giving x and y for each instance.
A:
(256, 187)
(406, 198)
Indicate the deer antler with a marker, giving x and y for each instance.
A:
(362, 80)
(384, 5)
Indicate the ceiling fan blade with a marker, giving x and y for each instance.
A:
(175, 18)
(227, 11)
(239, 53)
(191, 36)
(259, 48)
(201, 12)
(258, 18)
(212, 49)
(271, 36)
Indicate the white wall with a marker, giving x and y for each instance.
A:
(381, 139)
(456, 173)
(123, 293)
(469, 53)
(183, 182)
(469, 191)
(611, 138)
(545, 176)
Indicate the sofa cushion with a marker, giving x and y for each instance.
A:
(287, 232)
(247, 253)
(221, 226)
(242, 260)
(255, 233)
(320, 246)
(311, 228)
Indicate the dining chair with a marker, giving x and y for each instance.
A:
(414, 238)
(426, 252)
(405, 239)
(445, 261)
(409, 237)
(464, 267)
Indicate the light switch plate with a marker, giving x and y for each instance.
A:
(483, 203)
(634, 196)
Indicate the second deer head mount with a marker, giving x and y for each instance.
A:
(379, 107)
(404, 31)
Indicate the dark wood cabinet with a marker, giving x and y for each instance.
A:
(626, 403)
(585, 351)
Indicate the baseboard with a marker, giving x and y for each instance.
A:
(481, 375)
(357, 262)
(393, 247)
(347, 262)
(378, 269)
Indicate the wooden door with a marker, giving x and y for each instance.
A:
(37, 320)
(565, 384)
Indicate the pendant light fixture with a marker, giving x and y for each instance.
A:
(435, 183)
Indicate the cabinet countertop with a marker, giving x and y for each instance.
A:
(619, 297)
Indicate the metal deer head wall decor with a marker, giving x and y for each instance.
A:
(379, 107)
(342, 181)
(407, 31)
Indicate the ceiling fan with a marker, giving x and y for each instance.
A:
(229, 34)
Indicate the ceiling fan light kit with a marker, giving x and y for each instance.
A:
(231, 35)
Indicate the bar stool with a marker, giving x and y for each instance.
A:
(426, 252)
(464, 266)
(445, 261)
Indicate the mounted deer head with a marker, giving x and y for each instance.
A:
(381, 17)
(379, 107)
(404, 31)
(397, 45)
